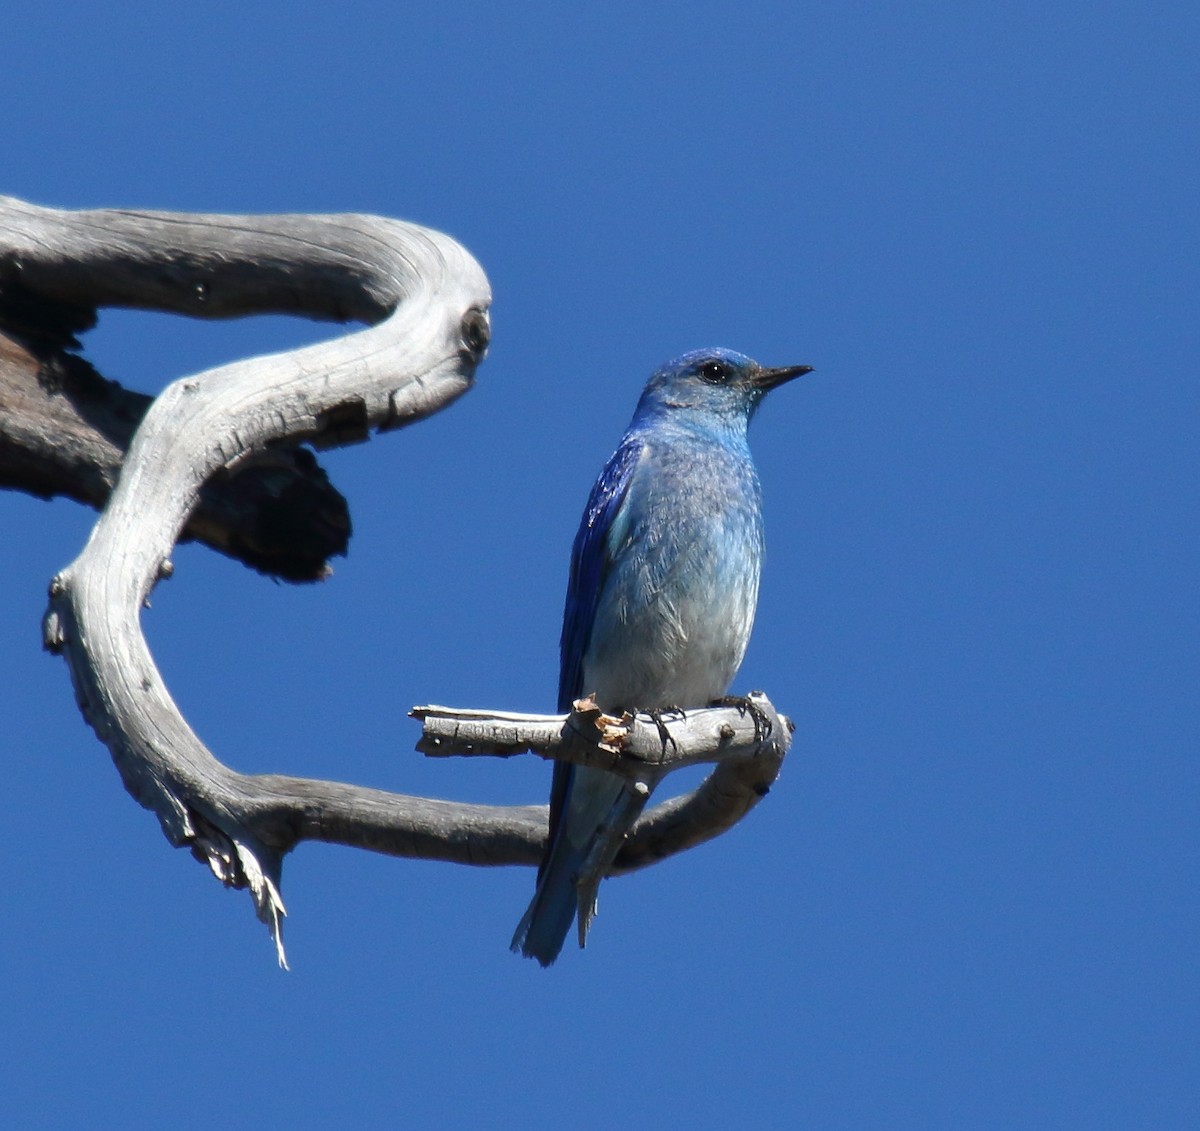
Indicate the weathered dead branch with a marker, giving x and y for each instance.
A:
(428, 300)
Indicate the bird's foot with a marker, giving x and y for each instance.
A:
(747, 706)
(659, 719)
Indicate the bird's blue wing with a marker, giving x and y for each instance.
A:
(591, 559)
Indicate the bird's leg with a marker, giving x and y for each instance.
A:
(747, 706)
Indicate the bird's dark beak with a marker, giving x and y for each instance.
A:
(772, 378)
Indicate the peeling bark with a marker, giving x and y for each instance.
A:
(64, 431)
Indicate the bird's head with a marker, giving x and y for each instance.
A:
(713, 385)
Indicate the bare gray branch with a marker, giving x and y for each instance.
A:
(419, 359)
(747, 742)
(429, 299)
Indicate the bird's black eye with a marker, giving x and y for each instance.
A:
(715, 372)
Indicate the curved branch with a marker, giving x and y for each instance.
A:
(432, 298)
(419, 359)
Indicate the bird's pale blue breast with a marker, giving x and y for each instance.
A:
(679, 575)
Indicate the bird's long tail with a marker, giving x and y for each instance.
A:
(544, 926)
(600, 811)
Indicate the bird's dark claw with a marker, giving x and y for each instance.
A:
(659, 719)
(747, 706)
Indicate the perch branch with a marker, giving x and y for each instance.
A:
(748, 752)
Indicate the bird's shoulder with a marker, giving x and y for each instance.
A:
(613, 482)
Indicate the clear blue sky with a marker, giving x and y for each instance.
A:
(971, 901)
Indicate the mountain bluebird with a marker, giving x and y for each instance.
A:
(660, 601)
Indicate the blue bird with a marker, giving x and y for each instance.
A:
(660, 602)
